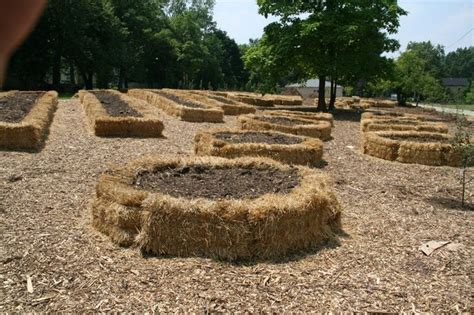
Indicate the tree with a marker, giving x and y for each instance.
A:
(433, 56)
(413, 77)
(460, 63)
(336, 40)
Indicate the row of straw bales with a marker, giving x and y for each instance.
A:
(31, 132)
(230, 107)
(205, 114)
(272, 225)
(104, 125)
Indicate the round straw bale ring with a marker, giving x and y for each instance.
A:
(245, 208)
(425, 148)
(278, 146)
(305, 115)
(402, 124)
(296, 126)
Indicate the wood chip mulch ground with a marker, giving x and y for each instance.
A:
(52, 260)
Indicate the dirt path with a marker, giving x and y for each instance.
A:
(390, 209)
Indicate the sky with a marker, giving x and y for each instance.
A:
(442, 22)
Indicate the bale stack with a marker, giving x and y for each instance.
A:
(29, 133)
(240, 143)
(425, 148)
(305, 115)
(146, 124)
(186, 110)
(267, 225)
(386, 121)
(285, 124)
(230, 107)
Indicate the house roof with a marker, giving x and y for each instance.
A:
(455, 82)
(313, 83)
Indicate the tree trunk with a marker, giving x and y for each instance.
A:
(57, 71)
(120, 82)
(322, 94)
(72, 74)
(332, 100)
(88, 80)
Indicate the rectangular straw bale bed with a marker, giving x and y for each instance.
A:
(230, 107)
(252, 100)
(283, 100)
(113, 114)
(179, 106)
(25, 118)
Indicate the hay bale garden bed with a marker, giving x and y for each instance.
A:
(113, 114)
(304, 115)
(179, 106)
(213, 207)
(402, 124)
(25, 118)
(296, 126)
(230, 107)
(278, 146)
(411, 147)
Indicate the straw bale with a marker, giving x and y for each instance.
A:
(272, 225)
(252, 100)
(402, 146)
(205, 114)
(314, 129)
(402, 124)
(385, 103)
(104, 125)
(230, 107)
(31, 132)
(305, 115)
(307, 152)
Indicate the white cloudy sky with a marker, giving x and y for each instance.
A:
(441, 21)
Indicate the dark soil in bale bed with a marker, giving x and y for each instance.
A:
(386, 114)
(217, 183)
(114, 105)
(420, 139)
(285, 121)
(180, 100)
(14, 107)
(221, 99)
(257, 137)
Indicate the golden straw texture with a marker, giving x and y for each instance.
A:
(104, 125)
(411, 147)
(302, 127)
(268, 226)
(31, 132)
(206, 114)
(308, 152)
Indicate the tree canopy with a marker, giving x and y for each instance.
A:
(331, 39)
(106, 43)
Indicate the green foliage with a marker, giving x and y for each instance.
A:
(470, 94)
(159, 43)
(340, 40)
(460, 63)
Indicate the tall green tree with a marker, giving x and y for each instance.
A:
(460, 63)
(331, 39)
